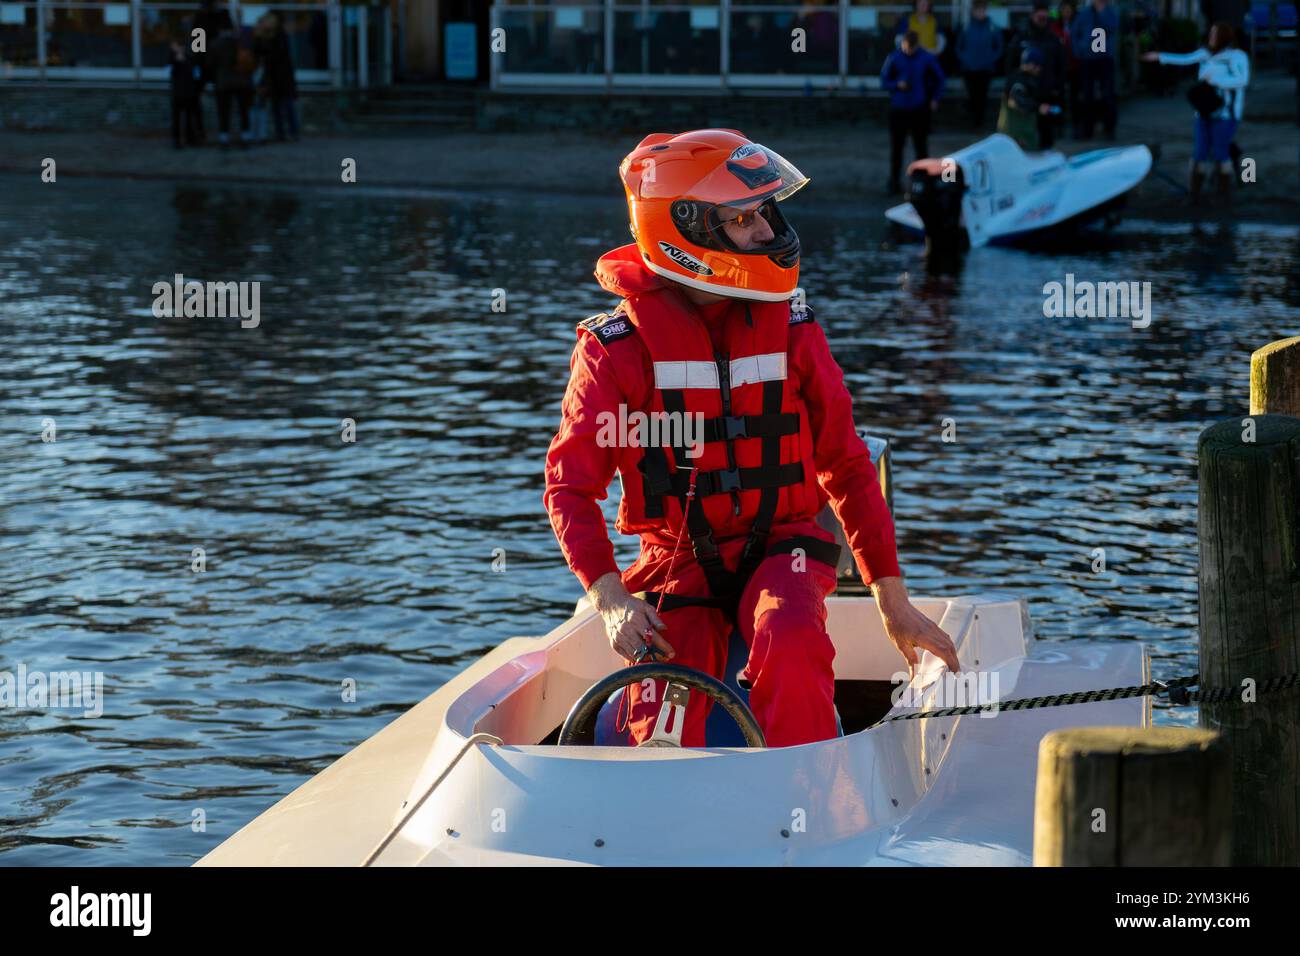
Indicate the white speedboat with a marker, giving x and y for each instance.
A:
(475, 775)
(994, 192)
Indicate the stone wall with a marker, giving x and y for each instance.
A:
(61, 106)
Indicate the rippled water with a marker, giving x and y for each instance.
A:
(373, 561)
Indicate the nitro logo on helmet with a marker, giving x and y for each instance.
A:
(749, 149)
(685, 259)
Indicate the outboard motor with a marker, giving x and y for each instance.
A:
(935, 189)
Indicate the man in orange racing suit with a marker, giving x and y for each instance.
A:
(712, 339)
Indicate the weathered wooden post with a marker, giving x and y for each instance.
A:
(1130, 796)
(1249, 533)
(1275, 379)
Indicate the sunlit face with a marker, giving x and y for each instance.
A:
(747, 230)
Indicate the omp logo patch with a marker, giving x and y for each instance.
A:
(685, 259)
(609, 328)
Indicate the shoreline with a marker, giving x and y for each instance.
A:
(847, 162)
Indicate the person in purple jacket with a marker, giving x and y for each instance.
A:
(915, 83)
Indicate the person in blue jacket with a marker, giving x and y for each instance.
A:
(979, 50)
(915, 83)
(1095, 39)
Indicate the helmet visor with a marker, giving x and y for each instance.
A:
(751, 175)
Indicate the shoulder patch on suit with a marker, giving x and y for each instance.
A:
(609, 327)
(800, 311)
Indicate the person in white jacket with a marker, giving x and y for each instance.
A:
(1227, 70)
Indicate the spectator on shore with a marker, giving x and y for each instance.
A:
(281, 81)
(261, 84)
(212, 20)
(914, 80)
(233, 66)
(1095, 38)
(1025, 116)
(979, 50)
(1037, 33)
(1222, 75)
(184, 95)
(1065, 13)
(925, 25)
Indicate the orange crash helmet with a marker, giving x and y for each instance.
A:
(682, 187)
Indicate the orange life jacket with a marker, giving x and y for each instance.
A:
(756, 468)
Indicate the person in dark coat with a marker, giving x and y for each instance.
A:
(212, 20)
(1038, 34)
(1024, 111)
(233, 65)
(280, 78)
(915, 81)
(979, 50)
(1095, 36)
(185, 97)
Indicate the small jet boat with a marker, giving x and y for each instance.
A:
(504, 764)
(994, 192)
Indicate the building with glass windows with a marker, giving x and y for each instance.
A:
(597, 45)
(334, 43)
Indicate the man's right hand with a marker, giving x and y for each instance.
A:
(902, 85)
(629, 622)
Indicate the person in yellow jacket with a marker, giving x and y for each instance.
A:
(925, 25)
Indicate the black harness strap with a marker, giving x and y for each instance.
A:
(697, 523)
(750, 426)
(654, 475)
(726, 480)
(756, 546)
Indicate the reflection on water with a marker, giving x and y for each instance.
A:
(373, 561)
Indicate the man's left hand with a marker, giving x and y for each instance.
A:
(910, 630)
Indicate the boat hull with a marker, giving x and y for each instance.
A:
(1012, 196)
(934, 791)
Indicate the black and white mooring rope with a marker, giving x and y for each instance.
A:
(1176, 690)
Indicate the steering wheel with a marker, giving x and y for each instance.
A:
(579, 727)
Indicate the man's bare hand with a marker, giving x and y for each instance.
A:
(629, 622)
(910, 630)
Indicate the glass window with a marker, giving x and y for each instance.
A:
(564, 38)
(764, 41)
(677, 40)
(17, 36)
(87, 37)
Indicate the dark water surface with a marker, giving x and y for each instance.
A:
(373, 561)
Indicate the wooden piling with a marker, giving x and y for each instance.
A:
(1275, 379)
(1130, 796)
(1249, 535)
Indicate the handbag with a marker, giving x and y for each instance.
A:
(1205, 99)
